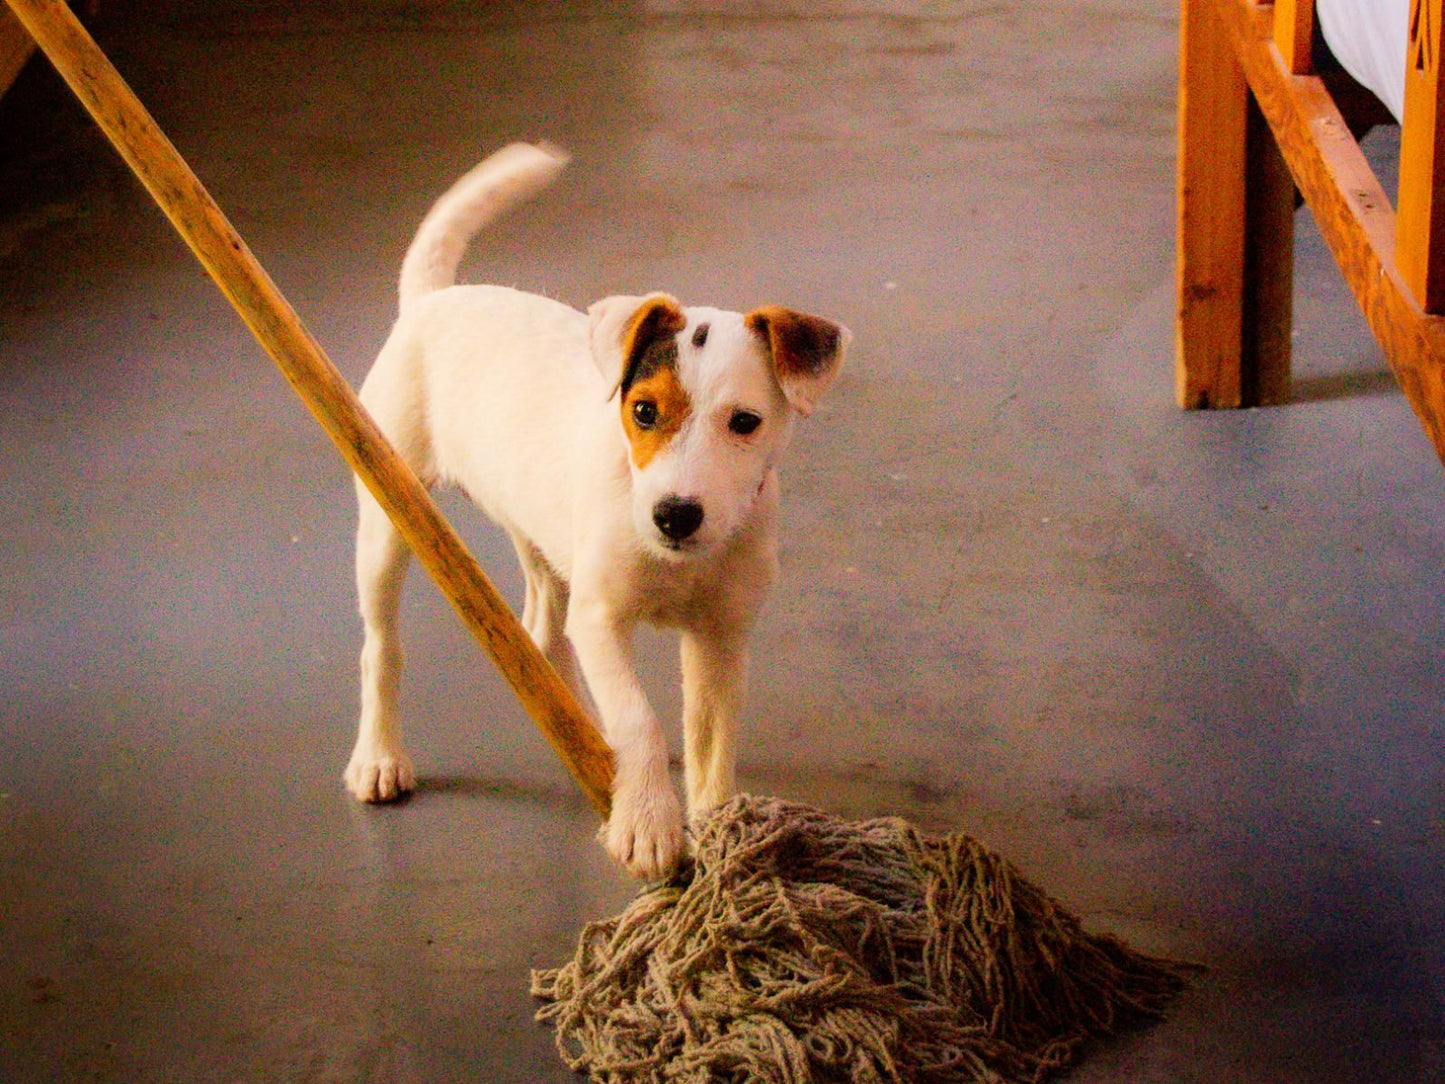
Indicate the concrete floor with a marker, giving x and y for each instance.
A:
(1184, 669)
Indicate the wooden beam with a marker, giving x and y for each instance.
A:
(1420, 250)
(1294, 26)
(1267, 313)
(1351, 208)
(1236, 232)
(15, 48)
(1210, 268)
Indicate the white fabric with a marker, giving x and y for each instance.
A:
(1369, 38)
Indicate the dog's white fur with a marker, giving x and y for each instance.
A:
(514, 397)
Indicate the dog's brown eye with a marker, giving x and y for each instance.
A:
(644, 413)
(744, 422)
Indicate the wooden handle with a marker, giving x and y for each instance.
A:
(322, 388)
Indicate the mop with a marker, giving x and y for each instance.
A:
(795, 946)
(804, 947)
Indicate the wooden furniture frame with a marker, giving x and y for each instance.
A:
(15, 48)
(1255, 126)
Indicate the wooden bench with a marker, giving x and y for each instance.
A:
(1255, 125)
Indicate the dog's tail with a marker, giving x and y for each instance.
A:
(515, 173)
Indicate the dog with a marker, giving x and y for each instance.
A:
(631, 452)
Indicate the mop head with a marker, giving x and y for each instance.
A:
(802, 947)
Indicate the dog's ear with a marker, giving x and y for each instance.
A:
(622, 328)
(807, 352)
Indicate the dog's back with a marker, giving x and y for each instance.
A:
(483, 386)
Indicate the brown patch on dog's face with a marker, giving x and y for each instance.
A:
(652, 326)
(655, 406)
(654, 403)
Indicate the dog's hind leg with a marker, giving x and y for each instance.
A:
(544, 613)
(379, 770)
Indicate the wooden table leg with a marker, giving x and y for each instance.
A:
(1420, 236)
(15, 48)
(1235, 231)
(1268, 307)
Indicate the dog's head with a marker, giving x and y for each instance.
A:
(707, 400)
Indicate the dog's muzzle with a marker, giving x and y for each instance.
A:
(677, 518)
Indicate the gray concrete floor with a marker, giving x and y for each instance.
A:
(1184, 670)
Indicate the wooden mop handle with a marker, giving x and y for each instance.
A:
(325, 392)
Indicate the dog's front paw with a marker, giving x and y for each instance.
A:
(644, 832)
(378, 775)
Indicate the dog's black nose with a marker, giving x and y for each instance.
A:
(677, 517)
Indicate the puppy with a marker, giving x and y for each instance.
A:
(630, 452)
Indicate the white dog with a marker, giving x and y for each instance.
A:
(631, 454)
